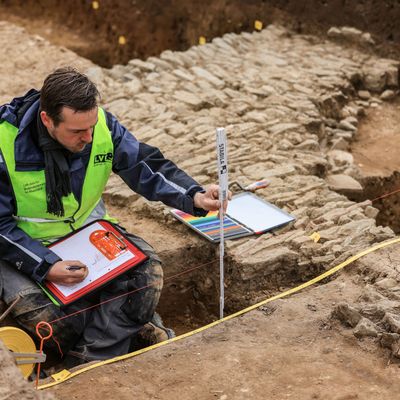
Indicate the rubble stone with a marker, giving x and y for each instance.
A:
(365, 327)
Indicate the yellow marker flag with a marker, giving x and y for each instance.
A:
(258, 25)
(315, 236)
(202, 40)
(121, 40)
(95, 5)
(62, 375)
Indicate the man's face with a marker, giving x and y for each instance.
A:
(75, 130)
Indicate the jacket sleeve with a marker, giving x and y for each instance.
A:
(16, 247)
(145, 170)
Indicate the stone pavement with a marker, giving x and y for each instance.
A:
(290, 105)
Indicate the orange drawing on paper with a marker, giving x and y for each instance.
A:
(108, 243)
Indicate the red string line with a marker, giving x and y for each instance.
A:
(130, 292)
(58, 345)
(166, 279)
(386, 195)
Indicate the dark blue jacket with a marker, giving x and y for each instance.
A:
(143, 168)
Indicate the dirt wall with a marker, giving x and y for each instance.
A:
(12, 384)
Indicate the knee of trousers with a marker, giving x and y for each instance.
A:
(36, 307)
(155, 274)
(141, 305)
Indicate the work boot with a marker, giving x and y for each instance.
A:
(153, 332)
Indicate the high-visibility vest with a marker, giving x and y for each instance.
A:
(30, 186)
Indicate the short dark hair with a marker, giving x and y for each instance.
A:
(67, 87)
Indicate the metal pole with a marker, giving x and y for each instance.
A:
(222, 155)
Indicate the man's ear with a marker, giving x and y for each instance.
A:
(47, 121)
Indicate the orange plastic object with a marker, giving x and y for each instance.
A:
(107, 243)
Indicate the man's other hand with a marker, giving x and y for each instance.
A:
(209, 199)
(61, 274)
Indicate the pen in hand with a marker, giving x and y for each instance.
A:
(74, 267)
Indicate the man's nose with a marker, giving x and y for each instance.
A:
(87, 135)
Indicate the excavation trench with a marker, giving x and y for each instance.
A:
(116, 32)
(376, 154)
(110, 32)
(191, 299)
(383, 191)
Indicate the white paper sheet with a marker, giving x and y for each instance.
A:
(255, 213)
(78, 247)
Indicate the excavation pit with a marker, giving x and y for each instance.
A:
(114, 32)
(190, 297)
(375, 152)
(268, 106)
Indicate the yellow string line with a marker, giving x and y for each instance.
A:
(66, 375)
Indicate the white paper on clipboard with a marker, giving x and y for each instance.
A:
(79, 247)
(257, 214)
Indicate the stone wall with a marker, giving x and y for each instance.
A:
(290, 105)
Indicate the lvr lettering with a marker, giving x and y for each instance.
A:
(102, 158)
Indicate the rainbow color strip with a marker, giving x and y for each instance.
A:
(208, 226)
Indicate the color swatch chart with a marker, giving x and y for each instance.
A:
(208, 226)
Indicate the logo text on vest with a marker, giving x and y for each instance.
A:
(102, 158)
(35, 186)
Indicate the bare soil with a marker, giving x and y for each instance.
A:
(287, 349)
(376, 148)
(376, 153)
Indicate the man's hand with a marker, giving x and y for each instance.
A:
(59, 272)
(209, 199)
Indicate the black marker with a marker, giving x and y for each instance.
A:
(74, 267)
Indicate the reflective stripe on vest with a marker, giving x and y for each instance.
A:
(30, 186)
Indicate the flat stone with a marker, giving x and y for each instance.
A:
(393, 322)
(280, 128)
(371, 212)
(351, 33)
(340, 158)
(366, 38)
(334, 32)
(346, 125)
(340, 144)
(347, 314)
(343, 184)
(388, 95)
(188, 98)
(202, 73)
(364, 94)
(309, 144)
(374, 79)
(183, 74)
(143, 65)
(392, 77)
(134, 85)
(386, 283)
(365, 327)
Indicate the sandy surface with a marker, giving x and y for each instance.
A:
(377, 145)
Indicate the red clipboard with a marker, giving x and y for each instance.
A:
(104, 249)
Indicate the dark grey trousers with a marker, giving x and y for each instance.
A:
(100, 333)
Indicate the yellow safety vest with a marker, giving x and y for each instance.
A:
(30, 186)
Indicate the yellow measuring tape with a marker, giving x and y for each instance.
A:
(18, 341)
(65, 374)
